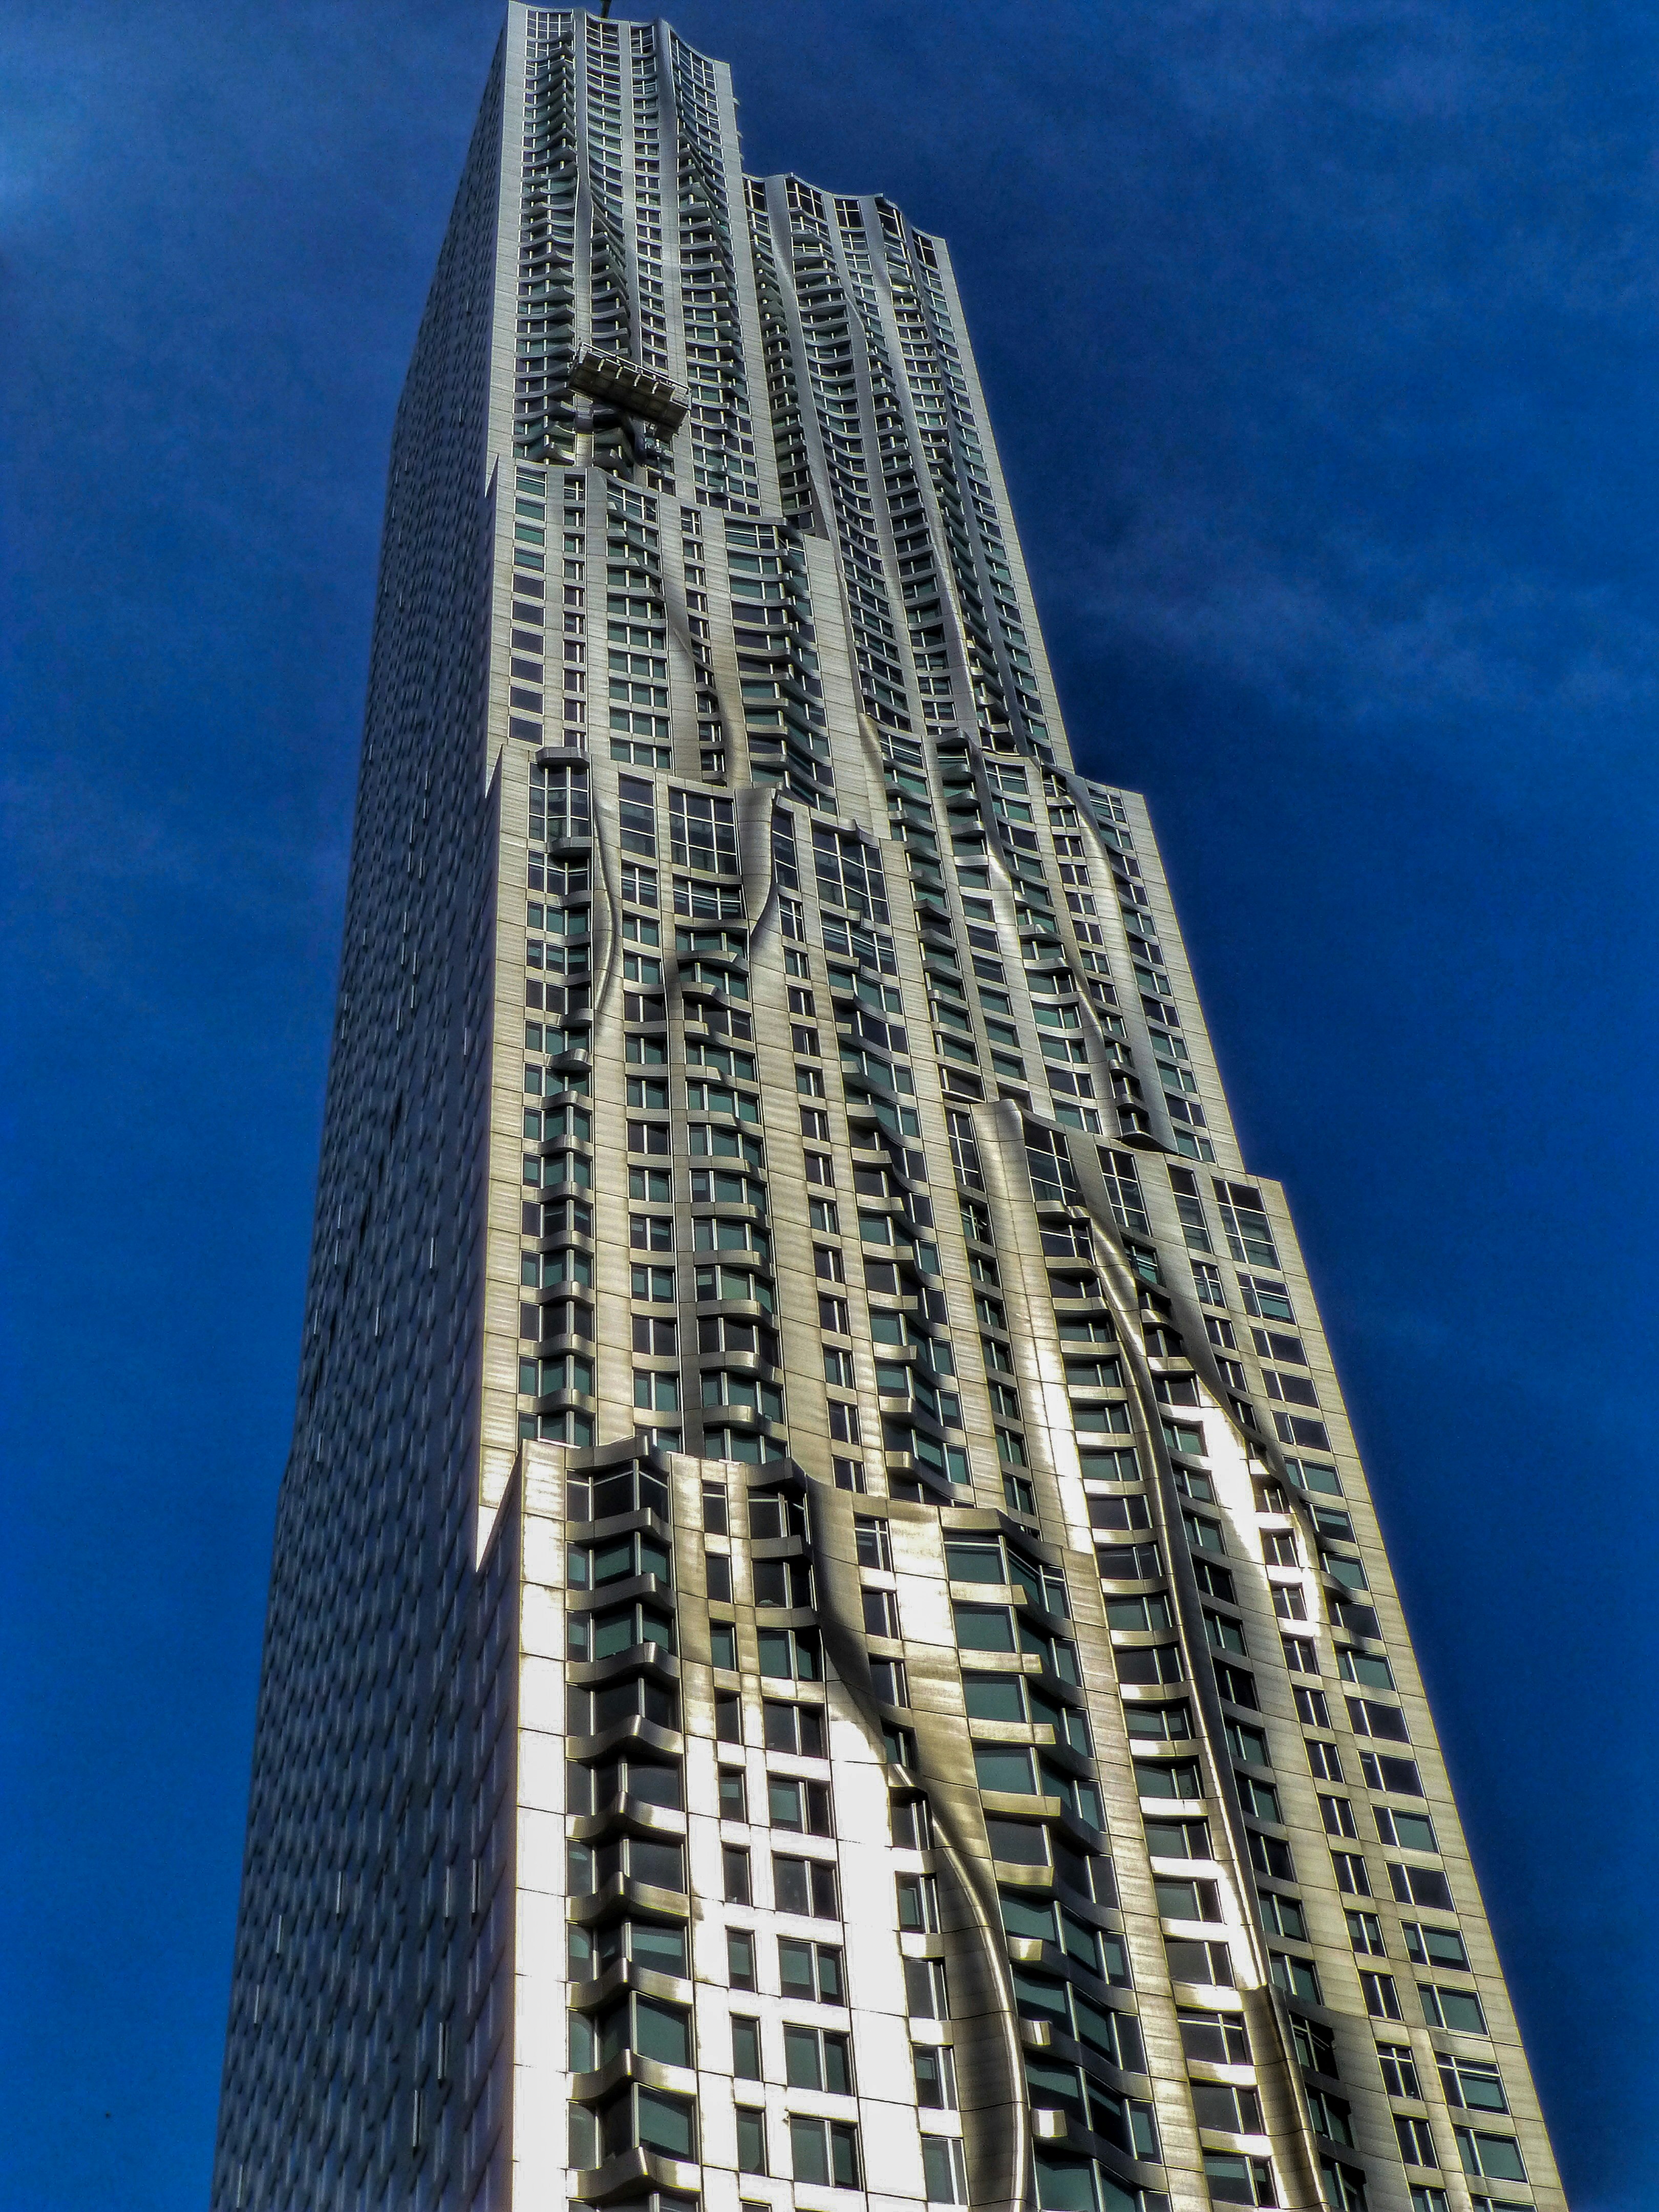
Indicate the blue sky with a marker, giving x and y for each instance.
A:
(1319, 339)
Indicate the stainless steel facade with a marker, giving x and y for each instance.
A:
(828, 1641)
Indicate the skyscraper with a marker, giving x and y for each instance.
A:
(828, 1641)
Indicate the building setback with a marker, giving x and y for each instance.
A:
(828, 1642)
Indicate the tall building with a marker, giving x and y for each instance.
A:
(827, 1642)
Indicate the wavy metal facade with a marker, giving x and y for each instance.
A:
(828, 1640)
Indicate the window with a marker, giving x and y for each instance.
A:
(746, 2047)
(1416, 2139)
(1005, 1767)
(824, 2151)
(1311, 1708)
(1188, 1205)
(1115, 2035)
(752, 2140)
(1497, 2157)
(890, 1681)
(1368, 1718)
(650, 1943)
(1127, 1562)
(1235, 2180)
(1126, 2123)
(1427, 1886)
(1434, 1947)
(655, 1391)
(1344, 2190)
(804, 1886)
(838, 1366)
(702, 830)
(1270, 1856)
(1169, 1778)
(740, 1958)
(633, 2022)
(1178, 1839)
(945, 2171)
(795, 1728)
(1156, 1662)
(1351, 1878)
(1398, 1775)
(850, 873)
(800, 1808)
(1040, 1919)
(1316, 2047)
(1125, 1512)
(1219, 2036)
(1123, 1195)
(790, 1653)
(775, 1513)
(1337, 1812)
(734, 1797)
(635, 2115)
(880, 1612)
(1381, 1997)
(1012, 1698)
(1204, 1964)
(734, 1868)
(1158, 1723)
(1207, 1281)
(927, 1992)
(984, 1627)
(1458, 2010)
(621, 1559)
(1204, 1534)
(817, 2058)
(1267, 1301)
(874, 1545)
(1224, 1633)
(607, 1635)
(918, 1903)
(936, 2077)
(1365, 1934)
(737, 1285)
(1411, 1831)
(1298, 1977)
(910, 1822)
(783, 1583)
(593, 1711)
(1223, 2105)
(1280, 1915)
(1187, 1900)
(1260, 1798)
(558, 804)
(1399, 2070)
(812, 1971)
(1136, 1615)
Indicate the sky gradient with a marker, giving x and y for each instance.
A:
(1320, 341)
